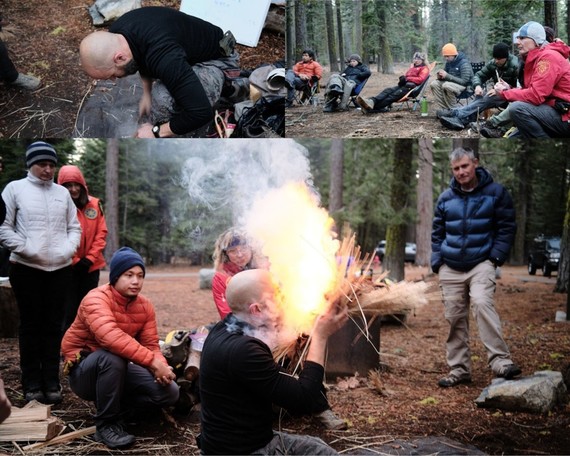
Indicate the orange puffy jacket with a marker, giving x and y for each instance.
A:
(124, 326)
(92, 220)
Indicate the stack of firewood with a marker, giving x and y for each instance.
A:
(31, 423)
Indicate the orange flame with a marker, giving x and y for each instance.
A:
(296, 235)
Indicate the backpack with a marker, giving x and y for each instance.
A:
(265, 119)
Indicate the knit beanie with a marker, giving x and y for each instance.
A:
(355, 57)
(534, 31)
(500, 51)
(124, 259)
(449, 49)
(419, 55)
(39, 151)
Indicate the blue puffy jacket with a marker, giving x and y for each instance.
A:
(471, 227)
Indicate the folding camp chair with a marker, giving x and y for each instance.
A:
(468, 94)
(413, 98)
(306, 95)
(355, 92)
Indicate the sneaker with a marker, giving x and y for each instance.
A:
(452, 123)
(367, 104)
(114, 436)
(453, 380)
(444, 113)
(53, 396)
(331, 421)
(35, 395)
(27, 82)
(509, 371)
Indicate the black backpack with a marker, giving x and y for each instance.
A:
(265, 119)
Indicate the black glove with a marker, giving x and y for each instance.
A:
(561, 106)
(83, 265)
(402, 81)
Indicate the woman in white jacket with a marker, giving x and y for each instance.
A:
(42, 231)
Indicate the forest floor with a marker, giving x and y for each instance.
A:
(404, 405)
(311, 122)
(46, 44)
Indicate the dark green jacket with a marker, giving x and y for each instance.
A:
(507, 73)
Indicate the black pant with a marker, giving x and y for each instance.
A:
(81, 283)
(389, 96)
(40, 296)
(8, 72)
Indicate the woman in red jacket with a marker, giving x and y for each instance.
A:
(232, 254)
(88, 259)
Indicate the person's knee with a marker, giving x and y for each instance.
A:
(518, 109)
(166, 396)
(112, 362)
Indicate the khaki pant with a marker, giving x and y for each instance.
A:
(475, 288)
(445, 93)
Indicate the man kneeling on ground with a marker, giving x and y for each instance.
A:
(112, 354)
(239, 377)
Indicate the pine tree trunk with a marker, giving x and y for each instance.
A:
(112, 198)
(424, 202)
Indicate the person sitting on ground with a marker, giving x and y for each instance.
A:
(541, 108)
(342, 85)
(165, 44)
(239, 377)
(455, 77)
(112, 355)
(232, 254)
(8, 72)
(307, 71)
(504, 66)
(416, 75)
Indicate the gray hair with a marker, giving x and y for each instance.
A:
(460, 152)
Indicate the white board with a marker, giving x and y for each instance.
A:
(245, 18)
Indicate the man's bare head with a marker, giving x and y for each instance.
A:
(105, 55)
(249, 287)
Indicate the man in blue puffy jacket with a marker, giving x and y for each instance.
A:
(473, 230)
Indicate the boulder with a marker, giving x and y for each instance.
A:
(538, 393)
(104, 11)
(206, 276)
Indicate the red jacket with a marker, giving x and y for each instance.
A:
(219, 284)
(124, 326)
(311, 69)
(417, 74)
(92, 220)
(546, 77)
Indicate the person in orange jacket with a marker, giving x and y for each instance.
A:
(307, 71)
(88, 259)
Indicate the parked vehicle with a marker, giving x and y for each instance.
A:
(409, 255)
(545, 255)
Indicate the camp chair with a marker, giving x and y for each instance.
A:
(414, 96)
(356, 91)
(467, 94)
(306, 95)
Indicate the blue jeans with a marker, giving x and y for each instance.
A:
(540, 121)
(284, 443)
(468, 113)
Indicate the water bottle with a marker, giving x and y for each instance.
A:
(424, 107)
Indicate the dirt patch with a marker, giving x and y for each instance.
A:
(310, 121)
(46, 44)
(408, 404)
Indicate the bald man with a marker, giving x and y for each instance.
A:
(161, 43)
(240, 381)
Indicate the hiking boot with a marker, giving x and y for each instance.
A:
(26, 82)
(331, 421)
(35, 395)
(444, 113)
(53, 396)
(509, 371)
(491, 132)
(114, 436)
(453, 380)
(330, 106)
(452, 123)
(476, 126)
(367, 104)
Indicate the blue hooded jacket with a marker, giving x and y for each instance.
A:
(472, 227)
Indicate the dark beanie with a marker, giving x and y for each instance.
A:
(40, 151)
(355, 57)
(500, 51)
(124, 259)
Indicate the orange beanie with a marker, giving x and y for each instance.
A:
(449, 49)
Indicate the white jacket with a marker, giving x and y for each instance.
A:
(41, 227)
